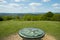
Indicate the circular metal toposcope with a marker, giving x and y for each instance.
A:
(31, 33)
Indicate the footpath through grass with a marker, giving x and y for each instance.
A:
(10, 27)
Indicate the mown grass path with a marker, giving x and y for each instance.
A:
(11, 27)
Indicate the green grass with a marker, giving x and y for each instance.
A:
(10, 27)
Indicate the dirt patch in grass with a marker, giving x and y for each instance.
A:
(49, 37)
(17, 37)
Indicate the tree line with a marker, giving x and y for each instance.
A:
(49, 16)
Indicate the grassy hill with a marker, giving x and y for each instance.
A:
(10, 27)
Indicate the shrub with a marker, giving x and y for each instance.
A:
(56, 17)
(1, 19)
(7, 17)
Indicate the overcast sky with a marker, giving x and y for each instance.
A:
(29, 6)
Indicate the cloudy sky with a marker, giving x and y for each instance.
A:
(29, 6)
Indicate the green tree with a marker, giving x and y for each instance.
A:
(47, 16)
(27, 17)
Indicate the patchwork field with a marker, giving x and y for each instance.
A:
(11, 27)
